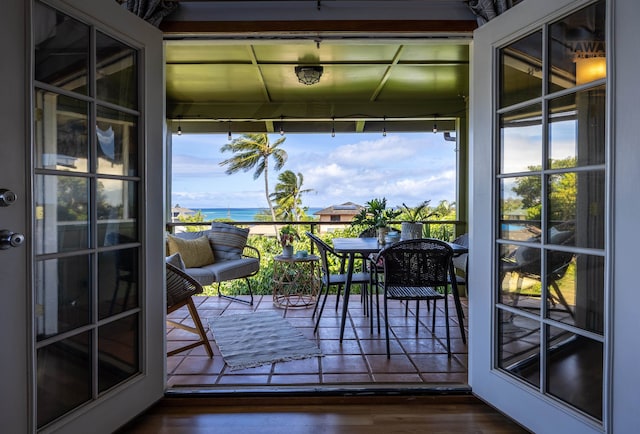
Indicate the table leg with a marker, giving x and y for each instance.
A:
(347, 294)
(456, 299)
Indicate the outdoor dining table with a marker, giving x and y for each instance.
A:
(366, 246)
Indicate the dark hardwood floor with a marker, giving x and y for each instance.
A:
(294, 415)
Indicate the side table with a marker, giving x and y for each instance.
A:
(296, 281)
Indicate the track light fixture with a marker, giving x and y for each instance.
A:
(179, 127)
(229, 136)
(281, 125)
(333, 127)
(384, 126)
(435, 128)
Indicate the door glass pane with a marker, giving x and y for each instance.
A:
(117, 142)
(61, 49)
(63, 295)
(519, 346)
(62, 217)
(61, 132)
(576, 203)
(574, 372)
(521, 140)
(521, 70)
(577, 129)
(116, 72)
(63, 377)
(117, 352)
(578, 52)
(116, 210)
(576, 290)
(520, 206)
(519, 277)
(118, 277)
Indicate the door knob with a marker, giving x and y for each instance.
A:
(7, 197)
(10, 239)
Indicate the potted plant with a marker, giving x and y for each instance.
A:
(411, 227)
(375, 214)
(287, 235)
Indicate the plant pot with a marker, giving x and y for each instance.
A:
(411, 231)
(382, 233)
(287, 251)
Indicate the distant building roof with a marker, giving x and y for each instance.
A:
(347, 208)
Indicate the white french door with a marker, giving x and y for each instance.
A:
(540, 343)
(83, 110)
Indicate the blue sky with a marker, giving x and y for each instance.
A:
(404, 168)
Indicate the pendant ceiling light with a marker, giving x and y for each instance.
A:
(309, 74)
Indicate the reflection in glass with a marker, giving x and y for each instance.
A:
(577, 47)
(116, 209)
(519, 277)
(62, 213)
(521, 70)
(61, 134)
(118, 355)
(521, 140)
(519, 346)
(577, 129)
(576, 290)
(578, 198)
(63, 295)
(117, 136)
(574, 372)
(61, 47)
(116, 72)
(520, 205)
(118, 278)
(63, 377)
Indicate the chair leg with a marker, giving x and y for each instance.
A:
(338, 296)
(239, 300)
(386, 327)
(433, 317)
(324, 301)
(446, 321)
(198, 329)
(418, 313)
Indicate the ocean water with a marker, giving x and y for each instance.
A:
(237, 214)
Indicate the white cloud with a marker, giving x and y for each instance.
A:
(406, 168)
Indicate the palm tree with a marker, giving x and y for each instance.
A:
(288, 192)
(254, 150)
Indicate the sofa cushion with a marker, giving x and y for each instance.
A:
(227, 270)
(227, 241)
(195, 253)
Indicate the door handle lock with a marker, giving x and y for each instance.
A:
(7, 197)
(10, 239)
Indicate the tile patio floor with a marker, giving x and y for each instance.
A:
(360, 360)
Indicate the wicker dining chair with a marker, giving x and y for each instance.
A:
(180, 289)
(415, 270)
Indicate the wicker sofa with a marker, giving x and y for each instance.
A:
(219, 254)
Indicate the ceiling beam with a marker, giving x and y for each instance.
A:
(256, 111)
(263, 84)
(368, 27)
(386, 74)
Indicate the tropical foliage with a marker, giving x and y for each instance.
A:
(375, 214)
(417, 213)
(288, 196)
(253, 151)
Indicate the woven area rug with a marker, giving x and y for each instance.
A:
(249, 340)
